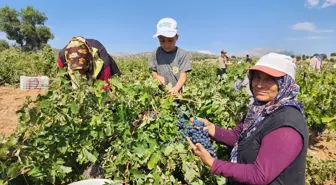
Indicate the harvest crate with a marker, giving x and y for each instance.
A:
(37, 82)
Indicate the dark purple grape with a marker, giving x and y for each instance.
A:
(196, 133)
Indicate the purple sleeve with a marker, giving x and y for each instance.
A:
(284, 143)
(228, 137)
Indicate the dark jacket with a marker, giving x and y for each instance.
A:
(248, 147)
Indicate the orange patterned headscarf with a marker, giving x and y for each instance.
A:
(77, 54)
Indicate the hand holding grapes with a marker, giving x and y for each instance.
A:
(201, 152)
(196, 133)
(207, 125)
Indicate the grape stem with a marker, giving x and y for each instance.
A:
(184, 99)
(126, 170)
(21, 173)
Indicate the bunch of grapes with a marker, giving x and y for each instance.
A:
(196, 133)
(181, 125)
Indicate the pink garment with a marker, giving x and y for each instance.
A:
(316, 63)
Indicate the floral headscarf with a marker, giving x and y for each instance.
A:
(78, 54)
(286, 96)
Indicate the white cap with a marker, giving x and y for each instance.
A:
(276, 65)
(166, 27)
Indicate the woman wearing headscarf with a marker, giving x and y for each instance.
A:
(270, 143)
(87, 57)
(316, 61)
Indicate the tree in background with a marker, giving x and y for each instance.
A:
(298, 58)
(292, 56)
(3, 45)
(26, 27)
(324, 56)
(303, 57)
(233, 56)
(333, 54)
(197, 56)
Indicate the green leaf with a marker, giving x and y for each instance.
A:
(115, 82)
(221, 180)
(89, 155)
(35, 172)
(136, 173)
(190, 174)
(108, 130)
(93, 133)
(65, 169)
(169, 86)
(180, 148)
(172, 178)
(13, 170)
(74, 108)
(328, 119)
(169, 149)
(153, 160)
(139, 151)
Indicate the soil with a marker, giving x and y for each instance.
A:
(11, 100)
(331, 182)
(323, 147)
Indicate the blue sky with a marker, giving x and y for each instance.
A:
(240, 26)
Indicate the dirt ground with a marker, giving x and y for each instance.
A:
(324, 147)
(12, 99)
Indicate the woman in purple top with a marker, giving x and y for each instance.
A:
(270, 143)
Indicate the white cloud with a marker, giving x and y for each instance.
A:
(205, 52)
(304, 26)
(308, 26)
(312, 3)
(314, 38)
(324, 31)
(258, 52)
(316, 3)
(306, 38)
(328, 3)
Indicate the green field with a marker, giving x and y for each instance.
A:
(134, 139)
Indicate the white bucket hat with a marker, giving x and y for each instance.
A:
(166, 27)
(276, 65)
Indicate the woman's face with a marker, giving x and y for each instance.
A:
(264, 86)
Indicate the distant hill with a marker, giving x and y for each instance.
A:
(56, 51)
(195, 56)
(259, 52)
(146, 55)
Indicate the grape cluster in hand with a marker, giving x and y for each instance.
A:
(196, 133)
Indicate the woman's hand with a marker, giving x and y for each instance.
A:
(201, 152)
(207, 125)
